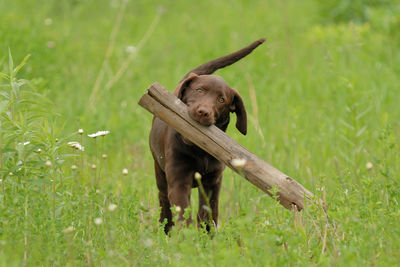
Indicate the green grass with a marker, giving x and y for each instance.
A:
(327, 92)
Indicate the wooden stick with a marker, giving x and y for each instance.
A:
(174, 112)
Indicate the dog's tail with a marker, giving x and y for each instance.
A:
(221, 62)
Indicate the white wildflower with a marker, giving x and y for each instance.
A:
(112, 207)
(178, 209)
(48, 21)
(125, 171)
(148, 242)
(369, 165)
(10, 174)
(47, 163)
(38, 150)
(197, 176)
(130, 49)
(93, 166)
(76, 145)
(80, 131)
(104, 156)
(238, 163)
(98, 221)
(68, 229)
(74, 167)
(94, 135)
(99, 133)
(24, 143)
(103, 133)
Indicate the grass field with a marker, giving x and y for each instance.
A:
(326, 112)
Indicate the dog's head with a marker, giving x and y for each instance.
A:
(210, 101)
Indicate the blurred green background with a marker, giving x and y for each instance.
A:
(326, 86)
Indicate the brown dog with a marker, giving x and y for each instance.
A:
(210, 101)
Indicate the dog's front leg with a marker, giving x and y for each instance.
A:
(179, 179)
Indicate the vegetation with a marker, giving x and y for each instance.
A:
(322, 97)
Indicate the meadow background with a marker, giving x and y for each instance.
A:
(322, 96)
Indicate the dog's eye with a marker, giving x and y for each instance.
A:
(221, 99)
(200, 90)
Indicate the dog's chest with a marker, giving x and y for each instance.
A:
(207, 164)
(198, 159)
(203, 164)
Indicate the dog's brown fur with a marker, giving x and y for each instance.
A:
(210, 101)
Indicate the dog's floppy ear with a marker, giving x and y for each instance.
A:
(180, 90)
(237, 106)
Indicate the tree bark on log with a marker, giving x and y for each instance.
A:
(173, 111)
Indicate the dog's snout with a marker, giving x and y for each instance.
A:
(203, 112)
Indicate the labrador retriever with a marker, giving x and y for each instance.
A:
(210, 100)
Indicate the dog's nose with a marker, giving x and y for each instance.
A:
(203, 112)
